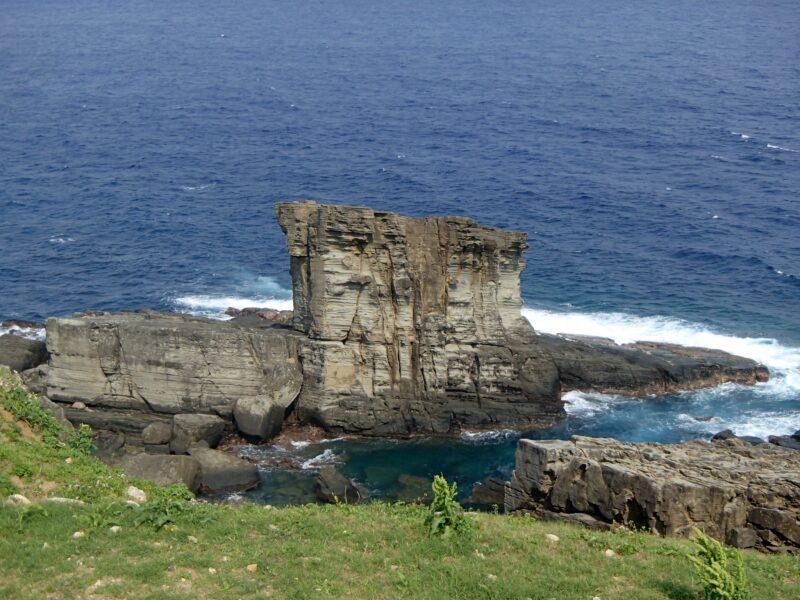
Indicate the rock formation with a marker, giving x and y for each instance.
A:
(741, 494)
(143, 367)
(412, 324)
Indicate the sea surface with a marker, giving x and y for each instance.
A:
(651, 151)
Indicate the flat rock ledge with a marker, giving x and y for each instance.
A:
(746, 496)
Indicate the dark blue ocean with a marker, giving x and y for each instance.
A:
(651, 151)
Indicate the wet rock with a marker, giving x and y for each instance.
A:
(189, 429)
(785, 441)
(669, 489)
(163, 470)
(413, 488)
(222, 472)
(727, 434)
(751, 439)
(592, 364)
(21, 354)
(488, 492)
(333, 487)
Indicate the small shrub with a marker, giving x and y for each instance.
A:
(445, 515)
(22, 471)
(720, 570)
(80, 440)
(165, 506)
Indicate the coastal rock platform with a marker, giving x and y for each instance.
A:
(743, 495)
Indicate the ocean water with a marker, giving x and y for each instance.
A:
(651, 153)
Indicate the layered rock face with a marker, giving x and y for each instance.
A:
(412, 324)
(746, 496)
(144, 367)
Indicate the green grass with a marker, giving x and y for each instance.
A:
(373, 551)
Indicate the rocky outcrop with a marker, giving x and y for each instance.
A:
(222, 472)
(741, 494)
(162, 364)
(412, 324)
(163, 469)
(415, 325)
(21, 353)
(592, 364)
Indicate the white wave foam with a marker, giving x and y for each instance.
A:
(624, 328)
(60, 240)
(26, 332)
(326, 458)
(498, 435)
(774, 147)
(215, 306)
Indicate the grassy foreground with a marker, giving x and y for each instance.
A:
(171, 548)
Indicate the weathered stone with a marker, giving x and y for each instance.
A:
(417, 319)
(126, 421)
(591, 364)
(223, 472)
(742, 537)
(109, 445)
(21, 353)
(157, 433)
(57, 411)
(35, 379)
(163, 363)
(333, 487)
(488, 492)
(156, 448)
(669, 489)
(727, 434)
(189, 429)
(786, 441)
(751, 439)
(263, 416)
(163, 470)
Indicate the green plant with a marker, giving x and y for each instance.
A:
(22, 471)
(80, 440)
(445, 516)
(721, 570)
(166, 505)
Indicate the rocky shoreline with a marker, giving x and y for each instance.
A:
(401, 327)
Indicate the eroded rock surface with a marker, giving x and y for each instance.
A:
(163, 364)
(412, 324)
(741, 494)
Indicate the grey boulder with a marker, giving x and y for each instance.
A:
(21, 353)
(222, 472)
(333, 487)
(187, 430)
(163, 469)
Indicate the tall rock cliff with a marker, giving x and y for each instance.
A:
(412, 324)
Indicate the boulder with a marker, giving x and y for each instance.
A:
(163, 469)
(727, 434)
(722, 488)
(190, 429)
(786, 441)
(109, 446)
(163, 363)
(489, 492)
(21, 353)
(332, 487)
(35, 379)
(263, 416)
(157, 433)
(222, 472)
